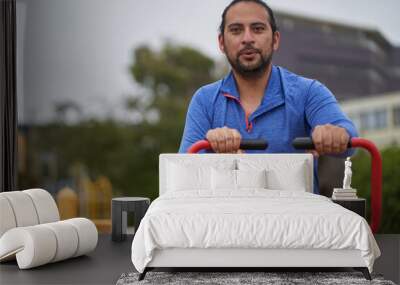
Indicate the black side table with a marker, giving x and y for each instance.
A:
(120, 207)
(356, 205)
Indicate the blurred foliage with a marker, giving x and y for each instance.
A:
(125, 153)
(390, 221)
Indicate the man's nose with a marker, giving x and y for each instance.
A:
(248, 36)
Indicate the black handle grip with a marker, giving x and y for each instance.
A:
(303, 143)
(307, 143)
(258, 144)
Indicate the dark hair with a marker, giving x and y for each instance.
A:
(259, 2)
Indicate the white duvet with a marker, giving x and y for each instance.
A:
(254, 218)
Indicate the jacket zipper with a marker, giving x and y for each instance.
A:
(249, 125)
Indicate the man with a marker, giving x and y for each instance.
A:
(260, 100)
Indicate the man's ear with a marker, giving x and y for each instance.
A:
(221, 43)
(276, 41)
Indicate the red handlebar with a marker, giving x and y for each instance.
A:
(376, 180)
(376, 175)
(200, 145)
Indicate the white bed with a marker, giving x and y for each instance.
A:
(226, 210)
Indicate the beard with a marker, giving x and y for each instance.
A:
(251, 70)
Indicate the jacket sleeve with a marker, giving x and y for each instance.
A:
(197, 121)
(322, 108)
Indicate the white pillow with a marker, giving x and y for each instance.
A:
(293, 179)
(223, 179)
(280, 174)
(187, 174)
(251, 178)
(181, 177)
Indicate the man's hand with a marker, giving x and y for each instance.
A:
(330, 139)
(224, 140)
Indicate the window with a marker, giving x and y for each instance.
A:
(355, 118)
(366, 121)
(380, 119)
(396, 116)
(374, 120)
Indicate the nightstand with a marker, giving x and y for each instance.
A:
(119, 208)
(356, 205)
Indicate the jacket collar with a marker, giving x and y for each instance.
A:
(273, 94)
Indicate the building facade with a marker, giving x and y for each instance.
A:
(352, 61)
(376, 118)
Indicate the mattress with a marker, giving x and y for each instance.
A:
(250, 218)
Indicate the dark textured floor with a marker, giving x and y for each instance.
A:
(106, 264)
(102, 266)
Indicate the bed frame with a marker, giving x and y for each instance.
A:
(242, 259)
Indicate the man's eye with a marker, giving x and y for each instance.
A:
(259, 29)
(235, 30)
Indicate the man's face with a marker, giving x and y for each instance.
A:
(248, 41)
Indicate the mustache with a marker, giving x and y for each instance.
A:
(248, 49)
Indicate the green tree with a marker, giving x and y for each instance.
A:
(169, 78)
(390, 222)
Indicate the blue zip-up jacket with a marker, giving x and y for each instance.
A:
(292, 107)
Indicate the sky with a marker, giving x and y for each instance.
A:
(196, 22)
(81, 49)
